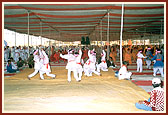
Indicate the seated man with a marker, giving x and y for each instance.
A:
(20, 63)
(9, 67)
(30, 61)
(13, 65)
(110, 63)
(156, 100)
(123, 73)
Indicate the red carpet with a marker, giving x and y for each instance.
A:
(129, 64)
(9, 74)
(131, 69)
(142, 83)
(58, 65)
(143, 73)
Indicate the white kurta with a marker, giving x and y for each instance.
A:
(123, 73)
(103, 64)
(78, 62)
(17, 54)
(71, 65)
(90, 65)
(71, 61)
(45, 62)
(139, 62)
(79, 68)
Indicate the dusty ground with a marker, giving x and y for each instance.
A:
(93, 94)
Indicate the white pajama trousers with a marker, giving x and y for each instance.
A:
(139, 65)
(101, 67)
(148, 62)
(47, 73)
(33, 74)
(125, 76)
(156, 69)
(69, 75)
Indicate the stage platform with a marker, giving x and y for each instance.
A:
(96, 94)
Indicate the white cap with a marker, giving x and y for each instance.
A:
(156, 81)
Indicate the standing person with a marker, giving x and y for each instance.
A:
(156, 100)
(149, 56)
(70, 65)
(45, 68)
(139, 61)
(5, 55)
(113, 55)
(37, 64)
(90, 65)
(103, 65)
(79, 68)
(57, 56)
(13, 52)
(134, 53)
(84, 55)
(123, 73)
(17, 54)
(128, 56)
(158, 65)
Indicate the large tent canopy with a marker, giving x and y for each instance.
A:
(69, 22)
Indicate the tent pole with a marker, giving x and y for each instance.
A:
(121, 34)
(101, 34)
(49, 43)
(108, 38)
(15, 39)
(24, 39)
(41, 32)
(161, 29)
(28, 34)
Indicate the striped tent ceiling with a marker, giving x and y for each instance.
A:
(69, 22)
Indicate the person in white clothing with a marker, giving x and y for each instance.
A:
(13, 64)
(17, 54)
(71, 65)
(13, 52)
(37, 64)
(90, 65)
(5, 55)
(79, 68)
(139, 61)
(103, 65)
(123, 73)
(45, 65)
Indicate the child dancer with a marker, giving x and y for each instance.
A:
(79, 68)
(45, 65)
(90, 66)
(71, 64)
(103, 65)
(139, 61)
(123, 73)
(37, 64)
(149, 57)
(158, 64)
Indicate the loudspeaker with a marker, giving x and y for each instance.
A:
(87, 41)
(83, 40)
